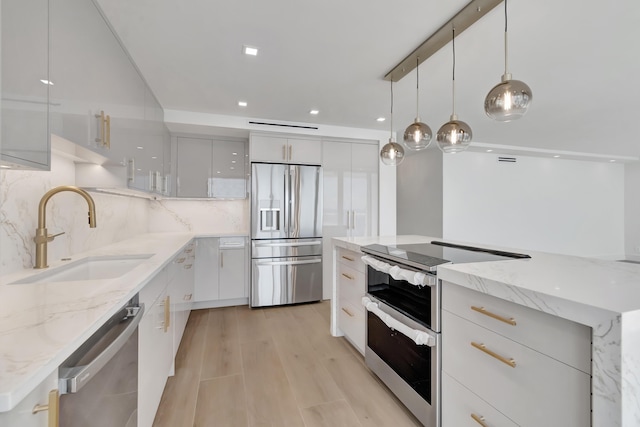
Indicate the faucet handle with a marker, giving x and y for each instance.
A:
(50, 237)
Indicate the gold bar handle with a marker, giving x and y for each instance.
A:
(53, 406)
(100, 116)
(167, 313)
(347, 276)
(503, 359)
(479, 419)
(290, 151)
(511, 321)
(181, 260)
(107, 142)
(348, 312)
(347, 258)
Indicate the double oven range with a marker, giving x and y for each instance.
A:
(404, 321)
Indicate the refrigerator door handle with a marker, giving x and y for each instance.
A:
(310, 261)
(288, 244)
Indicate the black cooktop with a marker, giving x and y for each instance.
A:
(429, 255)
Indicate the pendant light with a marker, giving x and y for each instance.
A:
(509, 99)
(455, 135)
(392, 153)
(417, 136)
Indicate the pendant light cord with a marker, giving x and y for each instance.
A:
(417, 87)
(453, 85)
(391, 119)
(506, 50)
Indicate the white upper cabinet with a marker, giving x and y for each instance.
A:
(211, 168)
(281, 149)
(24, 117)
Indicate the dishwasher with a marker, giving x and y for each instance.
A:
(99, 382)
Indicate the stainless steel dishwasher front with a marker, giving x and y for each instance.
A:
(99, 382)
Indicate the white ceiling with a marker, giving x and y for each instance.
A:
(580, 57)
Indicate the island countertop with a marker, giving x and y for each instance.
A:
(602, 294)
(41, 324)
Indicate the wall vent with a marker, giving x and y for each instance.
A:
(283, 125)
(507, 159)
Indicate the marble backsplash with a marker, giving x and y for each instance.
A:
(117, 217)
(200, 216)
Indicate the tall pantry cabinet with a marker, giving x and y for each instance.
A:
(350, 202)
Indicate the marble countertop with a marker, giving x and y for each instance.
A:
(602, 294)
(44, 323)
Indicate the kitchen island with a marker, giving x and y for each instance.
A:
(603, 295)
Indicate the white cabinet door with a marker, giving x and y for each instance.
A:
(233, 264)
(364, 190)
(269, 149)
(155, 357)
(206, 270)
(193, 167)
(22, 415)
(229, 178)
(24, 137)
(304, 151)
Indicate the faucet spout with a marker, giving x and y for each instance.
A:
(42, 237)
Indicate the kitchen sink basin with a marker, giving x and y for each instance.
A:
(90, 268)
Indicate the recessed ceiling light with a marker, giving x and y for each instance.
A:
(250, 50)
(218, 172)
(140, 148)
(231, 167)
(154, 157)
(233, 161)
(242, 103)
(556, 156)
(314, 112)
(46, 82)
(612, 161)
(380, 119)
(489, 151)
(138, 169)
(235, 154)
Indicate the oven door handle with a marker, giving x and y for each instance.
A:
(419, 337)
(414, 277)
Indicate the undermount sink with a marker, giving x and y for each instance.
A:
(90, 268)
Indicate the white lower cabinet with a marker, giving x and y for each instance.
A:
(351, 284)
(181, 288)
(221, 272)
(509, 376)
(22, 415)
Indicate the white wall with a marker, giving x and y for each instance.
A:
(632, 210)
(553, 205)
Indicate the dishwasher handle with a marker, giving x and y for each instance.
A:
(72, 379)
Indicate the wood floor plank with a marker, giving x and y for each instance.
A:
(309, 379)
(324, 309)
(270, 399)
(333, 414)
(251, 324)
(325, 345)
(222, 402)
(373, 403)
(222, 347)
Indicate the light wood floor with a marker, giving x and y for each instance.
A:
(276, 367)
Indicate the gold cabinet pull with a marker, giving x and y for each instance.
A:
(107, 142)
(167, 313)
(290, 151)
(188, 266)
(53, 406)
(347, 276)
(347, 258)
(347, 311)
(503, 359)
(479, 419)
(187, 297)
(482, 310)
(181, 260)
(101, 122)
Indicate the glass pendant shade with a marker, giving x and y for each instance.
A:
(417, 136)
(508, 100)
(454, 136)
(392, 153)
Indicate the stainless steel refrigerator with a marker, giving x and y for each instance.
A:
(286, 234)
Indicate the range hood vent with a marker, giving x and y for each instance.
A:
(507, 159)
(283, 125)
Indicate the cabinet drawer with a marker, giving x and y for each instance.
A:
(351, 284)
(351, 321)
(536, 390)
(459, 405)
(351, 259)
(151, 290)
(562, 339)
